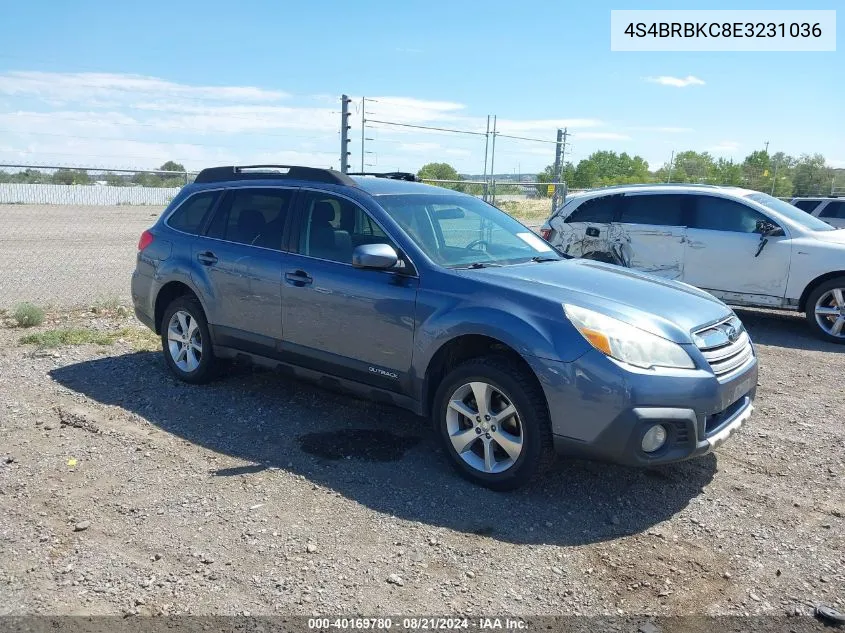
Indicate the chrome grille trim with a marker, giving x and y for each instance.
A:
(724, 356)
(717, 354)
(727, 366)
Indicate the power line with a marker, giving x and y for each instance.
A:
(426, 127)
(526, 138)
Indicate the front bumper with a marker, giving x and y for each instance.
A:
(600, 410)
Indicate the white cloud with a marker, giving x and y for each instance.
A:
(663, 130)
(133, 121)
(419, 147)
(724, 147)
(603, 136)
(677, 82)
(836, 163)
(513, 126)
(88, 86)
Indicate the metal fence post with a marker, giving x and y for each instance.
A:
(486, 143)
(493, 161)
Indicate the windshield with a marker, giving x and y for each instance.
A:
(459, 231)
(793, 213)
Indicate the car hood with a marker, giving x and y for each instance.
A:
(663, 307)
(833, 237)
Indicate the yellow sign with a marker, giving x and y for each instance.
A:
(551, 189)
(765, 172)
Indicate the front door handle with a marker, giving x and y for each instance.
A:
(207, 258)
(298, 278)
(592, 231)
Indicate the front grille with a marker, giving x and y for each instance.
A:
(723, 354)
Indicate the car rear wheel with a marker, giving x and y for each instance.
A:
(186, 342)
(494, 424)
(826, 310)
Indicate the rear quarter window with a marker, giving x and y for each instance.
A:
(807, 205)
(834, 209)
(600, 210)
(190, 216)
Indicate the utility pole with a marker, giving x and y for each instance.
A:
(671, 164)
(558, 155)
(493, 160)
(363, 123)
(344, 133)
(767, 147)
(775, 179)
(560, 158)
(486, 143)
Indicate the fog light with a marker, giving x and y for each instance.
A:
(654, 438)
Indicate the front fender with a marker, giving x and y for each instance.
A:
(529, 335)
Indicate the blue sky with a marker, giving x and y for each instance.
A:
(99, 83)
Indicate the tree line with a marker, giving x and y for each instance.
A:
(778, 174)
(82, 177)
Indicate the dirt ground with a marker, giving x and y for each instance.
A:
(124, 491)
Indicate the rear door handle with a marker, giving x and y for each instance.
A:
(207, 258)
(298, 278)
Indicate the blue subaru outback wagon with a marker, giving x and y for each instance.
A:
(438, 302)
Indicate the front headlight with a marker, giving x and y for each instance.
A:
(625, 342)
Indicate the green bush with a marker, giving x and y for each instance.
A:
(28, 315)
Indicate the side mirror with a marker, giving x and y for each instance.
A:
(767, 229)
(374, 256)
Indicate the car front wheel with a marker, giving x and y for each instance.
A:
(186, 342)
(494, 424)
(826, 310)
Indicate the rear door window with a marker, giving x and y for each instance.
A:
(252, 216)
(655, 209)
(722, 214)
(190, 216)
(599, 210)
(834, 209)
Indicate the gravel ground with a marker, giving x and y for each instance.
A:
(125, 491)
(68, 256)
(71, 256)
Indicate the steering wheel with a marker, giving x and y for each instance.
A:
(475, 243)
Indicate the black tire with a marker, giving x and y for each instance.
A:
(521, 388)
(813, 299)
(207, 368)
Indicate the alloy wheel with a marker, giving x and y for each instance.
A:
(830, 312)
(184, 341)
(484, 427)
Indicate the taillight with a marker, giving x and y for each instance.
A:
(546, 234)
(146, 240)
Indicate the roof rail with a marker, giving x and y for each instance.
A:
(272, 172)
(393, 175)
(662, 184)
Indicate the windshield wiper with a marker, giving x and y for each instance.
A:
(544, 258)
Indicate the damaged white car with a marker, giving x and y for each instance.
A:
(745, 247)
